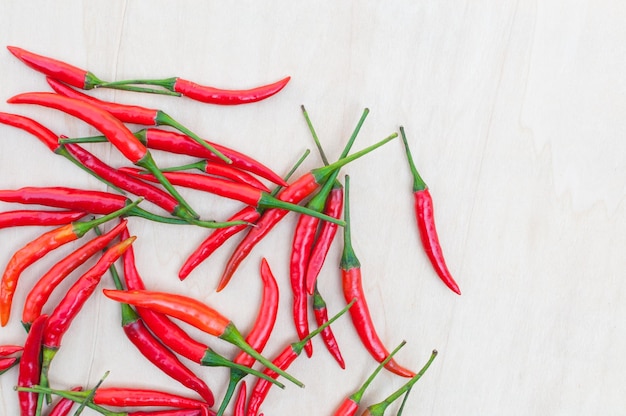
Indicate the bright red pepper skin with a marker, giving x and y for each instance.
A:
(240, 403)
(6, 363)
(63, 406)
(22, 218)
(347, 408)
(132, 397)
(45, 135)
(30, 366)
(321, 316)
(212, 95)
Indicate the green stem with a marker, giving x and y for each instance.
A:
(167, 83)
(213, 359)
(42, 390)
(418, 182)
(89, 397)
(314, 135)
(200, 165)
(358, 395)
(268, 201)
(64, 152)
(79, 140)
(235, 378)
(139, 89)
(349, 260)
(81, 228)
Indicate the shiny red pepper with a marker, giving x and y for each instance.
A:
(21, 218)
(30, 366)
(219, 96)
(321, 317)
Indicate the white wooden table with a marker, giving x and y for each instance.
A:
(515, 114)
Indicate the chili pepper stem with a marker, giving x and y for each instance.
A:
(43, 390)
(66, 154)
(418, 182)
(81, 228)
(299, 346)
(47, 355)
(232, 335)
(314, 135)
(235, 376)
(268, 201)
(357, 395)
(167, 83)
(212, 359)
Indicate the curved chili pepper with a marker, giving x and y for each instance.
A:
(38, 248)
(232, 190)
(64, 405)
(283, 361)
(22, 218)
(425, 217)
(220, 236)
(135, 114)
(240, 403)
(378, 409)
(222, 170)
(260, 332)
(30, 366)
(41, 291)
(353, 288)
(350, 405)
(196, 314)
(296, 192)
(113, 129)
(7, 362)
(321, 317)
(73, 301)
(133, 397)
(10, 349)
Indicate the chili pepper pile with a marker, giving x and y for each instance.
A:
(150, 319)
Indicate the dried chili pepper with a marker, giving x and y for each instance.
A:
(30, 366)
(46, 284)
(220, 236)
(283, 361)
(196, 314)
(38, 248)
(321, 317)
(353, 288)
(113, 129)
(135, 114)
(350, 405)
(425, 217)
(378, 409)
(294, 193)
(260, 332)
(22, 218)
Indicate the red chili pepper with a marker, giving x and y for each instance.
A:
(7, 363)
(294, 193)
(240, 403)
(133, 397)
(22, 218)
(113, 129)
(378, 409)
(30, 366)
(225, 171)
(174, 412)
(283, 361)
(63, 406)
(38, 248)
(260, 332)
(6, 350)
(196, 314)
(321, 317)
(350, 405)
(425, 217)
(134, 114)
(46, 284)
(353, 288)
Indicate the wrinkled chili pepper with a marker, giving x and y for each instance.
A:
(425, 217)
(294, 193)
(30, 366)
(22, 218)
(135, 114)
(283, 361)
(321, 317)
(260, 332)
(232, 190)
(46, 284)
(220, 236)
(353, 288)
(196, 314)
(113, 129)
(378, 409)
(350, 405)
(38, 248)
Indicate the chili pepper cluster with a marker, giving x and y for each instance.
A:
(149, 319)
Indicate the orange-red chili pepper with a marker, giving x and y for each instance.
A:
(425, 217)
(196, 314)
(353, 288)
(38, 248)
(22, 218)
(30, 366)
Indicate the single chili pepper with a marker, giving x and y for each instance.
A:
(220, 236)
(296, 192)
(7, 362)
(232, 190)
(6, 350)
(61, 318)
(170, 334)
(135, 114)
(30, 366)
(353, 288)
(350, 405)
(38, 248)
(40, 293)
(134, 397)
(225, 171)
(71, 74)
(321, 316)
(207, 94)
(64, 405)
(378, 409)
(196, 314)
(22, 218)
(283, 361)
(113, 129)
(260, 332)
(425, 217)
(240, 403)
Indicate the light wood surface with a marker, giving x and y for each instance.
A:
(515, 114)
